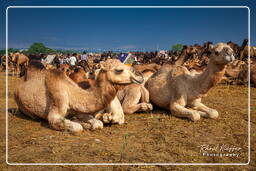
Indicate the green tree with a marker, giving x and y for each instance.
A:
(177, 47)
(37, 48)
(10, 50)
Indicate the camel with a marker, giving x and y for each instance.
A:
(52, 95)
(83, 79)
(65, 68)
(18, 60)
(244, 51)
(135, 97)
(187, 51)
(243, 74)
(179, 91)
(144, 67)
(233, 69)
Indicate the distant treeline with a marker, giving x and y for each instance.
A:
(38, 48)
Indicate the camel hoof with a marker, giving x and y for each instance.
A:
(96, 124)
(214, 114)
(86, 125)
(195, 117)
(75, 127)
(150, 106)
(107, 118)
(146, 107)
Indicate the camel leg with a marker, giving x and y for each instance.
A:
(180, 111)
(58, 110)
(210, 113)
(89, 122)
(131, 102)
(58, 122)
(115, 113)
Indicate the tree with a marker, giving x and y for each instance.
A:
(10, 50)
(37, 48)
(177, 47)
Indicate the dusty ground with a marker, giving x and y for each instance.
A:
(154, 137)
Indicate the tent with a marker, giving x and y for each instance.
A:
(49, 59)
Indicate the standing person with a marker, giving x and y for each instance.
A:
(84, 56)
(66, 59)
(73, 59)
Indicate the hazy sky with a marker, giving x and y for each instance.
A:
(134, 29)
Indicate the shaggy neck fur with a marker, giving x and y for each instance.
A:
(210, 77)
(105, 89)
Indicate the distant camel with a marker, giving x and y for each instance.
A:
(18, 60)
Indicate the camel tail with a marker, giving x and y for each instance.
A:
(144, 95)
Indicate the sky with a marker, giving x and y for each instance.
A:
(123, 28)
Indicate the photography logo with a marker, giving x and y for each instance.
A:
(219, 150)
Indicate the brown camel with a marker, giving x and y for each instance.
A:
(244, 51)
(53, 96)
(180, 91)
(144, 67)
(18, 60)
(65, 68)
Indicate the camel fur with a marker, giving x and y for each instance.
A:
(179, 91)
(52, 95)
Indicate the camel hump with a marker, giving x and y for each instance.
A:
(178, 70)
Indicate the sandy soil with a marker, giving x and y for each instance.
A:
(155, 137)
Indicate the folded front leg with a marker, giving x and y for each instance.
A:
(180, 111)
(210, 113)
(59, 122)
(89, 122)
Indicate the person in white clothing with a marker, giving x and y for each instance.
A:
(72, 60)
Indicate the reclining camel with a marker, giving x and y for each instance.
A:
(180, 91)
(135, 97)
(130, 98)
(53, 96)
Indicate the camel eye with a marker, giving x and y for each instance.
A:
(119, 71)
(217, 53)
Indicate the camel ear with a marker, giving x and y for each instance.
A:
(103, 67)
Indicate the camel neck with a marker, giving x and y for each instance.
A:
(105, 89)
(181, 59)
(210, 77)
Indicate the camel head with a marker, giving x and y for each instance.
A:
(221, 54)
(65, 68)
(120, 73)
(14, 56)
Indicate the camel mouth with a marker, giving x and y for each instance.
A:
(138, 81)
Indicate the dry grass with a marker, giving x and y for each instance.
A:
(145, 137)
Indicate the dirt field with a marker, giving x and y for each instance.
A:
(155, 137)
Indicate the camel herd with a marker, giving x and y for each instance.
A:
(77, 100)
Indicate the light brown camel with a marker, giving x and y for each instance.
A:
(243, 74)
(180, 91)
(135, 97)
(18, 60)
(53, 96)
